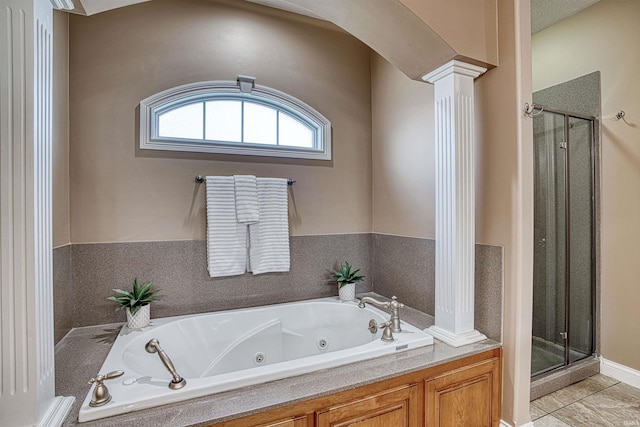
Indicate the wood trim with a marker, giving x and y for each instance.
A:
(308, 408)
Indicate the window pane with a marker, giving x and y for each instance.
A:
(223, 121)
(183, 122)
(259, 124)
(294, 133)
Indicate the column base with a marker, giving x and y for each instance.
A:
(455, 340)
(57, 411)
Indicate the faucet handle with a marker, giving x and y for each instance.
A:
(101, 394)
(111, 375)
(395, 303)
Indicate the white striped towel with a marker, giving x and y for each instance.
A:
(226, 238)
(269, 238)
(246, 199)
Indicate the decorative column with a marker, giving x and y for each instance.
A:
(27, 393)
(455, 203)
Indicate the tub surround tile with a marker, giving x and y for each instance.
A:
(178, 268)
(62, 292)
(488, 291)
(405, 267)
(87, 348)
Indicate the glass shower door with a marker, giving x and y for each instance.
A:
(580, 219)
(550, 237)
(563, 288)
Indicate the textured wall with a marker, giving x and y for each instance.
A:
(591, 41)
(120, 57)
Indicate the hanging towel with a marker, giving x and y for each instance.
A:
(269, 238)
(226, 238)
(246, 199)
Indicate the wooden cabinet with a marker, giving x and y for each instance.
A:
(465, 392)
(399, 407)
(468, 396)
(291, 422)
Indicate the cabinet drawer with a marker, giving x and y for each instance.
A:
(399, 407)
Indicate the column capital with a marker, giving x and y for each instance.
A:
(62, 4)
(454, 67)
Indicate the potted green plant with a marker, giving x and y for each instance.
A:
(137, 303)
(347, 277)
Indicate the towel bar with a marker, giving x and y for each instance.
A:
(200, 179)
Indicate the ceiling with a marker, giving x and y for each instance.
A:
(545, 13)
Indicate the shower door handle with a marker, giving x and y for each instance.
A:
(563, 335)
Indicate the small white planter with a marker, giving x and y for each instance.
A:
(141, 319)
(347, 292)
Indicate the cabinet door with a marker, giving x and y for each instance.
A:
(469, 396)
(399, 407)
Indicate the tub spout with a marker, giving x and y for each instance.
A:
(153, 346)
(393, 305)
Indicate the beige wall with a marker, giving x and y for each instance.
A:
(470, 27)
(403, 152)
(120, 57)
(505, 195)
(403, 174)
(604, 37)
(60, 135)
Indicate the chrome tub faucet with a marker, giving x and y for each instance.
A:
(393, 305)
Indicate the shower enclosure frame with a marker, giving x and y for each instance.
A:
(594, 146)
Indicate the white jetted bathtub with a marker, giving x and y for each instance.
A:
(227, 350)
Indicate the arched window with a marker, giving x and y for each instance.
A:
(233, 118)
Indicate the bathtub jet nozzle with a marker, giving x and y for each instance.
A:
(153, 346)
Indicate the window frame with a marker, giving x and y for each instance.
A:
(153, 106)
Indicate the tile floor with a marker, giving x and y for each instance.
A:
(596, 401)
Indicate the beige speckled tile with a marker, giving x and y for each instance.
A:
(604, 380)
(550, 421)
(568, 395)
(582, 389)
(553, 402)
(588, 414)
(536, 412)
(618, 405)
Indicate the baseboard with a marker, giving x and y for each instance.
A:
(57, 412)
(503, 423)
(620, 372)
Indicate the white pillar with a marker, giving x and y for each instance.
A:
(27, 393)
(455, 203)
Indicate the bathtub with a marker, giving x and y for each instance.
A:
(227, 350)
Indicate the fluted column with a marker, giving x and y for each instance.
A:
(455, 203)
(27, 393)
